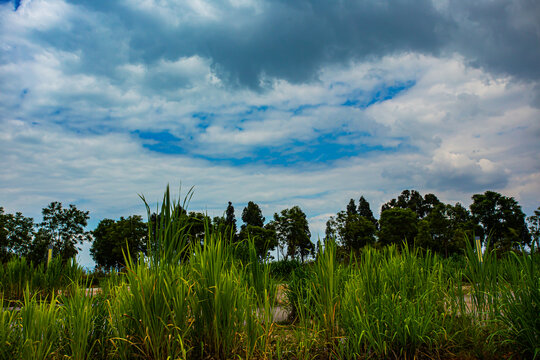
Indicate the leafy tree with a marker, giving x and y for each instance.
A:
(264, 239)
(65, 228)
(4, 242)
(358, 232)
(411, 199)
(502, 220)
(445, 229)
(40, 244)
(114, 239)
(365, 210)
(196, 225)
(534, 227)
(424, 237)
(230, 220)
(397, 225)
(351, 208)
(252, 215)
(351, 230)
(16, 233)
(292, 230)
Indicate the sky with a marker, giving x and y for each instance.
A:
(283, 103)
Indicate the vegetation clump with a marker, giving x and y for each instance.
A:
(194, 295)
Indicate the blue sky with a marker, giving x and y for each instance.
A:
(305, 103)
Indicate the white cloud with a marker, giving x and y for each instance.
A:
(69, 133)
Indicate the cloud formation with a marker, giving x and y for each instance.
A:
(284, 103)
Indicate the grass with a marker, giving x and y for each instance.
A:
(197, 301)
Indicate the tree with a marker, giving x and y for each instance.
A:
(252, 215)
(351, 230)
(411, 199)
(16, 234)
(264, 239)
(230, 219)
(4, 242)
(196, 225)
(115, 239)
(397, 225)
(65, 228)
(351, 208)
(40, 244)
(292, 230)
(357, 232)
(502, 220)
(365, 210)
(534, 227)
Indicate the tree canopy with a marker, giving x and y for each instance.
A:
(65, 228)
(353, 228)
(502, 220)
(252, 215)
(114, 240)
(292, 231)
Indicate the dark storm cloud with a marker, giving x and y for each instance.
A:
(292, 40)
(499, 35)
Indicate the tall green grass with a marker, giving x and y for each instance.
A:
(197, 300)
(18, 274)
(520, 306)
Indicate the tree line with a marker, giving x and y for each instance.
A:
(424, 221)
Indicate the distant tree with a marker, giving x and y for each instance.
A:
(358, 232)
(351, 208)
(115, 239)
(502, 220)
(424, 237)
(230, 219)
(292, 230)
(351, 230)
(411, 199)
(397, 225)
(264, 239)
(196, 226)
(365, 210)
(4, 242)
(252, 215)
(39, 250)
(16, 234)
(65, 228)
(534, 227)
(445, 229)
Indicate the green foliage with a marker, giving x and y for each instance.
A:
(168, 235)
(534, 228)
(283, 269)
(502, 220)
(16, 232)
(252, 215)
(292, 230)
(365, 211)
(397, 225)
(353, 229)
(386, 303)
(264, 239)
(38, 329)
(65, 228)
(411, 199)
(298, 292)
(79, 320)
(396, 310)
(230, 219)
(114, 239)
(520, 303)
(18, 274)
